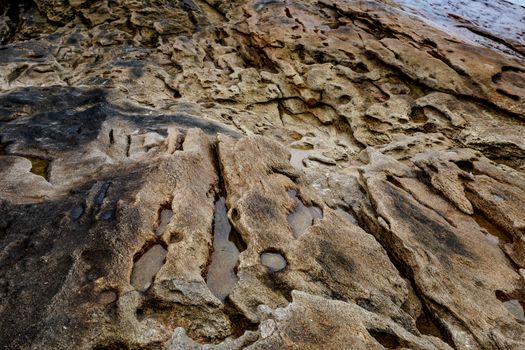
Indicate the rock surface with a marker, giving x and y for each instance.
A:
(262, 174)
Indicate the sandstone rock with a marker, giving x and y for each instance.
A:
(262, 174)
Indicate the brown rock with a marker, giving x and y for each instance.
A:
(262, 174)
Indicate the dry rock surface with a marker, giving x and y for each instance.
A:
(262, 174)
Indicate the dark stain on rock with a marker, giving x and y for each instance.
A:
(333, 260)
(136, 72)
(95, 260)
(34, 132)
(31, 300)
(136, 68)
(435, 236)
(47, 99)
(185, 121)
(45, 244)
(261, 208)
(28, 51)
(74, 39)
(77, 115)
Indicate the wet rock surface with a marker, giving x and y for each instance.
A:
(262, 174)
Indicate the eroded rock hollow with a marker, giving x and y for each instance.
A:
(262, 174)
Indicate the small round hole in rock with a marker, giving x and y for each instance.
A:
(140, 314)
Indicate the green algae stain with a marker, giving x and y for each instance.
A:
(39, 166)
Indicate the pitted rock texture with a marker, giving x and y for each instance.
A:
(365, 161)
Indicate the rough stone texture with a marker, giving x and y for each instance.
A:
(373, 148)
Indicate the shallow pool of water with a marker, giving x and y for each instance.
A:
(77, 211)
(221, 276)
(302, 216)
(39, 166)
(516, 308)
(275, 262)
(147, 266)
(298, 156)
(165, 217)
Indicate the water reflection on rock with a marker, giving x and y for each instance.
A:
(147, 266)
(221, 273)
(302, 217)
(275, 262)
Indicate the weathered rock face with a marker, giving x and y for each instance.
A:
(262, 174)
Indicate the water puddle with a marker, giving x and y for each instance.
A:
(298, 156)
(77, 211)
(101, 194)
(348, 216)
(221, 276)
(302, 217)
(165, 218)
(275, 262)
(108, 215)
(39, 166)
(494, 234)
(516, 308)
(147, 266)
